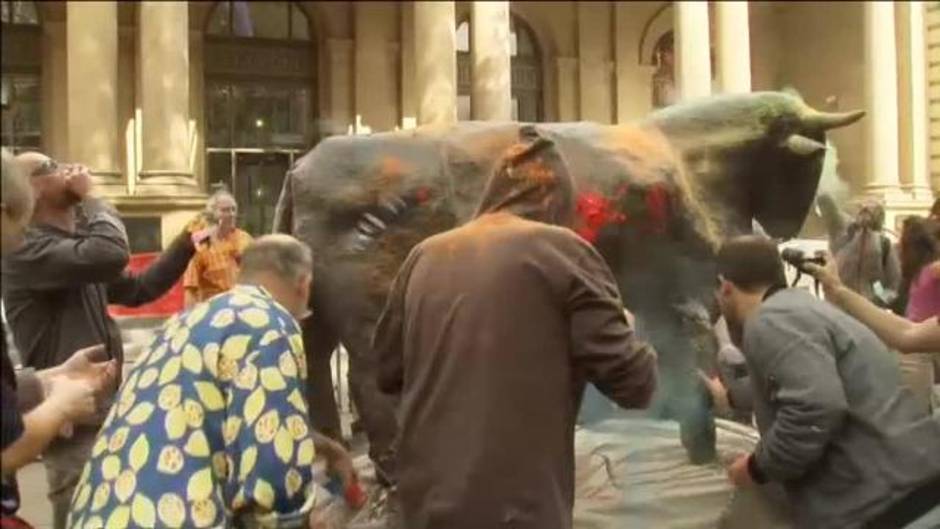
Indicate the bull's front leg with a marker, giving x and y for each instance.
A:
(681, 396)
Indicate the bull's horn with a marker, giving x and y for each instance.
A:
(803, 146)
(831, 120)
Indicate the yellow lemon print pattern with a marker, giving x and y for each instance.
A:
(214, 409)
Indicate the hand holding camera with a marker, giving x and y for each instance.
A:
(805, 263)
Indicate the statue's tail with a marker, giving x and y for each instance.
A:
(284, 212)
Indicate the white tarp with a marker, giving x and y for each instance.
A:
(633, 473)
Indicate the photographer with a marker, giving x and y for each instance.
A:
(864, 256)
(837, 428)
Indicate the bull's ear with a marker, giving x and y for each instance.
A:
(803, 146)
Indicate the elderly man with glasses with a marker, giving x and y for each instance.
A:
(57, 287)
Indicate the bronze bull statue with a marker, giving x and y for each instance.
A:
(655, 198)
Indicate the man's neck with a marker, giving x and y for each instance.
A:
(62, 218)
(751, 302)
(225, 231)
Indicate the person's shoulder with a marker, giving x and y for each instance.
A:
(787, 309)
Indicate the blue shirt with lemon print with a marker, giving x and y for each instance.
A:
(210, 428)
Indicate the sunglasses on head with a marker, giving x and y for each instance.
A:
(48, 166)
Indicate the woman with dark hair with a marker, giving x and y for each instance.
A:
(920, 280)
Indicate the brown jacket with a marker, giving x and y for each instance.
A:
(490, 333)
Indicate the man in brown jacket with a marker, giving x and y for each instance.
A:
(490, 333)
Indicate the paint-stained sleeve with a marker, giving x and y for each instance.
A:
(388, 340)
(604, 346)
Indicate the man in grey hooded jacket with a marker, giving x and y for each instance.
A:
(838, 428)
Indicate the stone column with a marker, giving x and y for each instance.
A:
(594, 61)
(567, 89)
(734, 47)
(166, 139)
(491, 95)
(914, 134)
(409, 110)
(92, 90)
(340, 89)
(881, 95)
(376, 87)
(693, 57)
(436, 62)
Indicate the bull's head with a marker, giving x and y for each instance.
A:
(752, 156)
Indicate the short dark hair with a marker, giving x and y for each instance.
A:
(751, 262)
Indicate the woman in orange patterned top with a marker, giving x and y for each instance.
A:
(214, 267)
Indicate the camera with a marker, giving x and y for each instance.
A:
(799, 259)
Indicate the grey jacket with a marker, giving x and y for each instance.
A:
(838, 429)
(57, 286)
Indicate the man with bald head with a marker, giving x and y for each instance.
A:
(57, 287)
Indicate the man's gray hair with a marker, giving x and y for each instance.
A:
(279, 254)
(15, 188)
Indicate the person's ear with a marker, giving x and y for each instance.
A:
(306, 283)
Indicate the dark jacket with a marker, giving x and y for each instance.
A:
(12, 426)
(838, 427)
(489, 335)
(57, 286)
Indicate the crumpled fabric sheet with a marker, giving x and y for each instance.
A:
(632, 472)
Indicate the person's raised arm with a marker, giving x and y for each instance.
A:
(835, 220)
(96, 254)
(132, 290)
(896, 332)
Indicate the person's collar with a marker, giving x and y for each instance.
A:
(257, 291)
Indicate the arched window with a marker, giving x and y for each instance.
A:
(20, 76)
(260, 72)
(526, 72)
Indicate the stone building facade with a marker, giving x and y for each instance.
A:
(164, 100)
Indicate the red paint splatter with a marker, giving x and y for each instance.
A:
(422, 195)
(657, 208)
(595, 212)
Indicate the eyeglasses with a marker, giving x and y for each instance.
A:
(48, 166)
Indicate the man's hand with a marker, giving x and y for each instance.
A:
(78, 180)
(718, 392)
(828, 275)
(339, 464)
(92, 366)
(204, 234)
(74, 397)
(739, 474)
